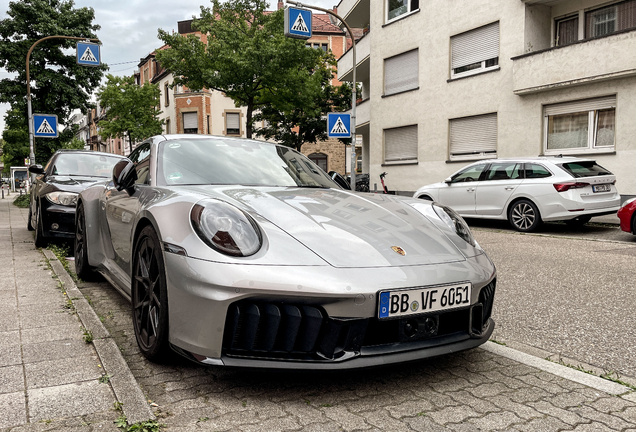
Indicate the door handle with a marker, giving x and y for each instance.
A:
(470, 190)
(509, 188)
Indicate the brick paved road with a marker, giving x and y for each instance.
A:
(469, 391)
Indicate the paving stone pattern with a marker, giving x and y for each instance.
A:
(473, 390)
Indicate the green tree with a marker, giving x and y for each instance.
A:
(131, 110)
(15, 138)
(58, 84)
(247, 57)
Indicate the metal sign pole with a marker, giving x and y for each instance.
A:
(353, 93)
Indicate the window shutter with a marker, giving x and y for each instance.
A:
(400, 144)
(401, 72)
(190, 120)
(475, 46)
(470, 136)
(232, 121)
(581, 106)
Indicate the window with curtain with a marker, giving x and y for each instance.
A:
(401, 72)
(166, 92)
(610, 19)
(475, 51)
(398, 8)
(580, 126)
(473, 137)
(567, 31)
(168, 126)
(232, 123)
(400, 144)
(190, 123)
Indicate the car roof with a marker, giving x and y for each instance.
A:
(553, 159)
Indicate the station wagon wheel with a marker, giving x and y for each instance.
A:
(80, 248)
(40, 241)
(524, 216)
(149, 297)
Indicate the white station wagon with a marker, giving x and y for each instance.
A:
(527, 191)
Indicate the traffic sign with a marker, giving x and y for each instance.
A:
(338, 125)
(297, 23)
(88, 54)
(45, 125)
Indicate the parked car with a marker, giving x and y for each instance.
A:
(54, 191)
(528, 191)
(245, 253)
(627, 216)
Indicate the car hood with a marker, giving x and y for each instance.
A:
(347, 229)
(72, 183)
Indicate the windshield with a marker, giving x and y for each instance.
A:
(585, 169)
(236, 162)
(84, 164)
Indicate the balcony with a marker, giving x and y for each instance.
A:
(345, 63)
(584, 62)
(355, 12)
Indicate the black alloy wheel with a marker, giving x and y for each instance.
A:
(524, 216)
(40, 241)
(150, 297)
(80, 247)
(579, 221)
(634, 223)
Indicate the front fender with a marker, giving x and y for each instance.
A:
(89, 199)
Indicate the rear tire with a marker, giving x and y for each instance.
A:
(150, 297)
(524, 216)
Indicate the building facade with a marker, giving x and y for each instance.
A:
(445, 83)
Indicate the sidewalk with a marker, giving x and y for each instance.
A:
(51, 375)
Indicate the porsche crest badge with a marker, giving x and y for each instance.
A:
(398, 250)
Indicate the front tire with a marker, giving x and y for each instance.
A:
(150, 297)
(80, 247)
(29, 226)
(524, 216)
(40, 240)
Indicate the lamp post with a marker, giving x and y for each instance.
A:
(353, 93)
(28, 97)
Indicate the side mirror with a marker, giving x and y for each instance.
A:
(338, 178)
(124, 175)
(448, 180)
(36, 169)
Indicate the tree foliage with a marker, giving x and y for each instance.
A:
(247, 57)
(58, 84)
(131, 110)
(15, 138)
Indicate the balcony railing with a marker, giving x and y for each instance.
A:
(584, 62)
(345, 63)
(355, 12)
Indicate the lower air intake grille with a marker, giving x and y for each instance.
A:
(486, 297)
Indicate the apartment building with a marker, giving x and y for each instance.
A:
(448, 82)
(211, 112)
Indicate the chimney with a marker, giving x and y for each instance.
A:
(281, 5)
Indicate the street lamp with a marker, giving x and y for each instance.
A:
(353, 93)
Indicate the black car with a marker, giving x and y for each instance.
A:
(54, 191)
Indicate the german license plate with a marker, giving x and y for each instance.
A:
(601, 188)
(398, 303)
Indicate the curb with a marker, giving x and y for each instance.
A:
(601, 384)
(127, 390)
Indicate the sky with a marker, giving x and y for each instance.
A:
(129, 28)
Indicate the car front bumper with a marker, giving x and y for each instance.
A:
(58, 221)
(223, 314)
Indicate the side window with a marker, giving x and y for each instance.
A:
(469, 174)
(536, 171)
(503, 171)
(141, 158)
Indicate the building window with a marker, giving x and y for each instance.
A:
(397, 8)
(322, 46)
(585, 125)
(566, 31)
(190, 123)
(168, 126)
(166, 92)
(400, 144)
(610, 19)
(475, 51)
(401, 72)
(319, 159)
(473, 137)
(232, 123)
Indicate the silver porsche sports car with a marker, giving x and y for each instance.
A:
(244, 253)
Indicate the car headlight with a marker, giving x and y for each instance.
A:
(225, 228)
(62, 198)
(455, 222)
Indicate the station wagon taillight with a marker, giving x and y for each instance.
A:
(562, 187)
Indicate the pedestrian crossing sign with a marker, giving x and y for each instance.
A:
(298, 23)
(338, 125)
(45, 126)
(88, 54)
